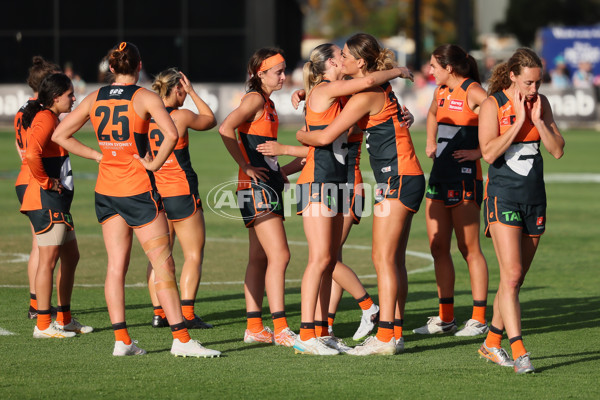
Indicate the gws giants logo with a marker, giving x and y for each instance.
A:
(115, 92)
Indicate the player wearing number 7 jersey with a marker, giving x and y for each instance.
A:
(512, 122)
(126, 201)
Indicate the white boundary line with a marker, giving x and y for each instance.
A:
(4, 332)
(20, 257)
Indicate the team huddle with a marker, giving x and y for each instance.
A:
(146, 186)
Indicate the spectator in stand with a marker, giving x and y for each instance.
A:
(583, 78)
(489, 64)
(560, 76)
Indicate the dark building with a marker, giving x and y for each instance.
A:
(211, 40)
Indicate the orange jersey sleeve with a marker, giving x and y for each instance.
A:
(40, 145)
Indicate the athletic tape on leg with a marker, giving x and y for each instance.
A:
(164, 278)
(157, 243)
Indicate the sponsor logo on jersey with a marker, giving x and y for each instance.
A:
(506, 121)
(453, 194)
(115, 92)
(511, 216)
(386, 169)
(466, 170)
(540, 221)
(270, 117)
(330, 201)
(432, 190)
(440, 102)
(456, 105)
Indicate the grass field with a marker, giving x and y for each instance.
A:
(560, 302)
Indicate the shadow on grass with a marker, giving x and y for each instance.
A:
(579, 358)
(541, 316)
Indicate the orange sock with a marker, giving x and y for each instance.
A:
(43, 320)
(321, 328)
(385, 332)
(447, 309)
(517, 347)
(160, 312)
(279, 321)
(32, 301)
(121, 333)
(398, 328)
(494, 337)
(63, 315)
(254, 322)
(187, 311)
(479, 310)
(330, 319)
(365, 302)
(180, 332)
(307, 331)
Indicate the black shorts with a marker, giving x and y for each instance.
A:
(356, 204)
(258, 202)
(137, 211)
(179, 208)
(409, 189)
(531, 218)
(20, 189)
(42, 220)
(334, 196)
(454, 193)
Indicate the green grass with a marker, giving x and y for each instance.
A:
(560, 302)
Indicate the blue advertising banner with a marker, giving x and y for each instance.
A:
(572, 45)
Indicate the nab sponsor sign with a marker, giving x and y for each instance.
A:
(572, 105)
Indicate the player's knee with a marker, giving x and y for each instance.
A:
(158, 251)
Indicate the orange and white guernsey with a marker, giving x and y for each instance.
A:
(518, 174)
(176, 177)
(251, 134)
(121, 133)
(389, 144)
(326, 164)
(47, 160)
(457, 130)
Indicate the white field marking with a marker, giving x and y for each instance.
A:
(571, 177)
(4, 332)
(425, 256)
(14, 257)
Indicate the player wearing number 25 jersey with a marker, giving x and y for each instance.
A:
(126, 202)
(121, 133)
